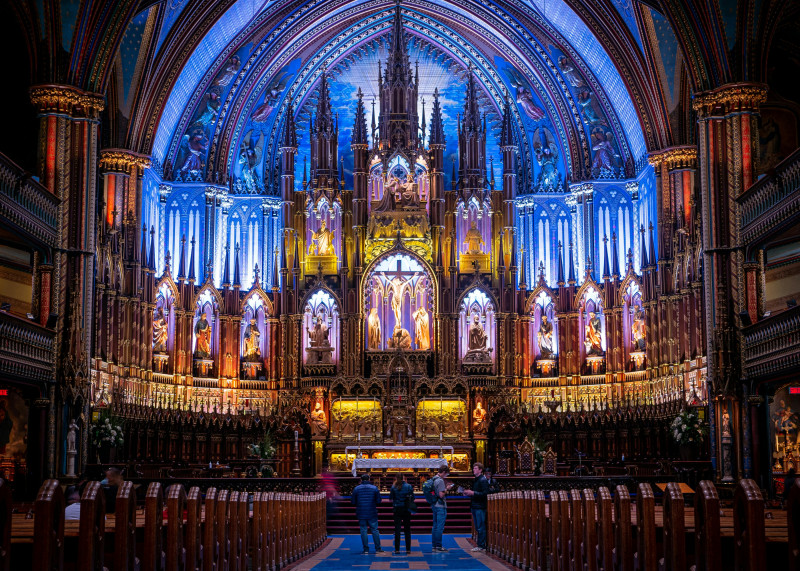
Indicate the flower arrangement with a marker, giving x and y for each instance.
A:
(688, 428)
(107, 431)
(539, 447)
(265, 448)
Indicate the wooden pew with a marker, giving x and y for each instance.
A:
(623, 532)
(646, 557)
(559, 531)
(5, 526)
(526, 538)
(233, 531)
(793, 521)
(674, 530)
(48, 528)
(540, 531)
(91, 541)
(605, 543)
(194, 536)
(748, 527)
(255, 540)
(125, 529)
(590, 547)
(706, 529)
(576, 539)
(154, 557)
(244, 530)
(210, 543)
(176, 552)
(223, 543)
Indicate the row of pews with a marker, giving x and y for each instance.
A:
(222, 531)
(583, 530)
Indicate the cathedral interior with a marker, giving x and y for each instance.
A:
(297, 234)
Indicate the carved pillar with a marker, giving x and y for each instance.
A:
(728, 133)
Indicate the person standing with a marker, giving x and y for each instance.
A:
(477, 504)
(439, 508)
(490, 480)
(402, 497)
(366, 498)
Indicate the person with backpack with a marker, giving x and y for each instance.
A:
(366, 498)
(435, 490)
(402, 497)
(478, 504)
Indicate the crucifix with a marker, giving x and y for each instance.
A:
(397, 284)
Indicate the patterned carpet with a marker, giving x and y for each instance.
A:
(344, 552)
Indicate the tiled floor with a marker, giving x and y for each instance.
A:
(344, 552)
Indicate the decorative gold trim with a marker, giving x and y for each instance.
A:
(65, 99)
(683, 157)
(122, 160)
(730, 97)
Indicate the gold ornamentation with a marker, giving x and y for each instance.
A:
(684, 157)
(65, 98)
(123, 161)
(730, 97)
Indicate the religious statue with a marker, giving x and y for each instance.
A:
(546, 150)
(322, 241)
(638, 331)
(593, 343)
(249, 159)
(473, 239)
(422, 329)
(252, 345)
(479, 418)
(400, 339)
(318, 336)
(202, 331)
(374, 330)
(545, 338)
(160, 331)
(397, 286)
(604, 156)
(391, 197)
(71, 436)
(408, 192)
(726, 425)
(477, 352)
(319, 422)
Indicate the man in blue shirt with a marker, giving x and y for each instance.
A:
(366, 498)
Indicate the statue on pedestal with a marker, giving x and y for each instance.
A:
(422, 329)
(638, 331)
(319, 421)
(477, 352)
(252, 338)
(474, 239)
(72, 450)
(374, 330)
(322, 242)
(400, 339)
(479, 418)
(319, 347)
(593, 341)
(545, 338)
(202, 331)
(160, 331)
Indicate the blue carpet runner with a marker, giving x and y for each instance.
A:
(344, 552)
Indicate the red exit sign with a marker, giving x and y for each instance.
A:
(794, 390)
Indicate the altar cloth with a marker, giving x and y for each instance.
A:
(407, 463)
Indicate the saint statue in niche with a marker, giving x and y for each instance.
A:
(322, 241)
(160, 332)
(319, 421)
(318, 335)
(374, 330)
(252, 338)
(422, 329)
(396, 286)
(638, 330)
(593, 343)
(545, 338)
(477, 351)
(202, 331)
(408, 191)
(391, 198)
(473, 240)
(479, 418)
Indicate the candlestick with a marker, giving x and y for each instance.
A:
(440, 437)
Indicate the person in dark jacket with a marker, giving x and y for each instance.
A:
(366, 498)
(478, 495)
(401, 495)
(493, 486)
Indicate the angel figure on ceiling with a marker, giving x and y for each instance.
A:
(524, 96)
(249, 159)
(273, 94)
(546, 150)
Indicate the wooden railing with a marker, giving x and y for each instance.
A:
(588, 530)
(772, 201)
(214, 533)
(772, 345)
(26, 204)
(26, 349)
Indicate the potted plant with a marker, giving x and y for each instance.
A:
(265, 450)
(107, 435)
(688, 431)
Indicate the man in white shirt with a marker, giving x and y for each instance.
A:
(73, 511)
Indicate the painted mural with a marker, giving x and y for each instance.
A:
(783, 427)
(13, 432)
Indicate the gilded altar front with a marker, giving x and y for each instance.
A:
(356, 419)
(441, 418)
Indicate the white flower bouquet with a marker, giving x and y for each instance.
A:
(688, 429)
(107, 432)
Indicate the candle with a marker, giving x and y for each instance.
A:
(295, 436)
(440, 436)
(359, 437)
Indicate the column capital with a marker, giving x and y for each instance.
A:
(679, 157)
(123, 161)
(66, 99)
(730, 98)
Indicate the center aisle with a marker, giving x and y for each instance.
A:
(344, 552)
